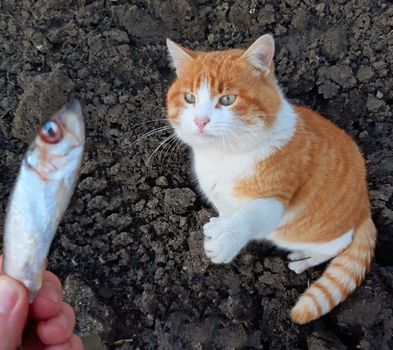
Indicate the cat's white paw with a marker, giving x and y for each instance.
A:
(301, 265)
(298, 266)
(222, 241)
(208, 228)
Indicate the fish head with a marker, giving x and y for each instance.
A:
(59, 144)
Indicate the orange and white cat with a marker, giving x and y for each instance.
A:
(272, 170)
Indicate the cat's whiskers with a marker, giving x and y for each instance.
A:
(243, 133)
(171, 143)
(217, 133)
(235, 127)
(173, 135)
(163, 151)
(180, 144)
(221, 137)
(225, 131)
(152, 132)
(240, 139)
(150, 121)
(177, 146)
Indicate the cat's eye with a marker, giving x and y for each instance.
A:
(227, 100)
(190, 98)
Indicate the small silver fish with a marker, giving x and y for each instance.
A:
(44, 186)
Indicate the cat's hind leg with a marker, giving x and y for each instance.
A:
(302, 260)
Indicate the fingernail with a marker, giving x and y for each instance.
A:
(8, 295)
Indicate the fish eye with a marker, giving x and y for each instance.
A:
(190, 98)
(51, 132)
(227, 100)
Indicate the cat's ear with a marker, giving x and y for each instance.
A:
(260, 53)
(178, 54)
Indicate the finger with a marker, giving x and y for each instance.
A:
(48, 302)
(75, 343)
(14, 303)
(30, 340)
(59, 329)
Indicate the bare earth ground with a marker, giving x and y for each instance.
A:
(130, 246)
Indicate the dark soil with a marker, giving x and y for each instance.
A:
(130, 245)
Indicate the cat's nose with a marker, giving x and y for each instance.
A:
(201, 122)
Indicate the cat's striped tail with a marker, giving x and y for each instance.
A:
(344, 273)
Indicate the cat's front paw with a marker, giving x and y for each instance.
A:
(210, 228)
(222, 240)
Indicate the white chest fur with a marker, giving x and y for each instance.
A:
(217, 174)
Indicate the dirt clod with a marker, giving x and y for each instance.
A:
(93, 317)
(41, 95)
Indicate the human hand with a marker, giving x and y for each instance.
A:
(50, 321)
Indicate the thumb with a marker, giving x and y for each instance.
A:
(14, 308)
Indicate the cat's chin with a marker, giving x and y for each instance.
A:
(197, 139)
(201, 140)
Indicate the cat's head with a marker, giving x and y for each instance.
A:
(226, 99)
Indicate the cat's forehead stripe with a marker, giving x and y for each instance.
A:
(217, 69)
(203, 91)
(200, 79)
(211, 81)
(197, 82)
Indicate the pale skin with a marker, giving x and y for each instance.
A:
(50, 322)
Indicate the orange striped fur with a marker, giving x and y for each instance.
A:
(342, 276)
(286, 159)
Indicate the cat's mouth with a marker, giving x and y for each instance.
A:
(204, 134)
(202, 137)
